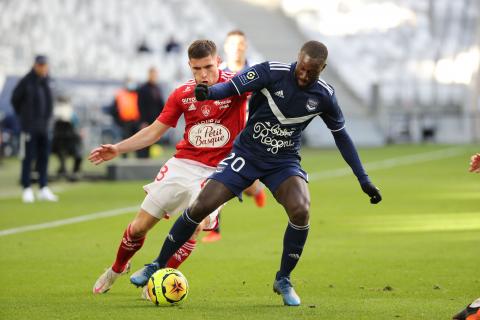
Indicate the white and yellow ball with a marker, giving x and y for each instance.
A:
(167, 287)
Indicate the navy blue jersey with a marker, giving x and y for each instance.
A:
(280, 110)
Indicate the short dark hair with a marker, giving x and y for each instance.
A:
(315, 50)
(201, 49)
(41, 59)
(236, 32)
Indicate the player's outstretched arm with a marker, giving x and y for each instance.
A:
(475, 163)
(143, 138)
(350, 154)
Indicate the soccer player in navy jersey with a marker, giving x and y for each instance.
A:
(285, 99)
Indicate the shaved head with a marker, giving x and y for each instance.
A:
(311, 61)
(315, 50)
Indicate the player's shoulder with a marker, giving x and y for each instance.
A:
(185, 89)
(278, 66)
(226, 75)
(323, 87)
(278, 70)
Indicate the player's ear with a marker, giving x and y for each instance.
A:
(219, 60)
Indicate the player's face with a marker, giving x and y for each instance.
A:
(235, 47)
(205, 70)
(308, 70)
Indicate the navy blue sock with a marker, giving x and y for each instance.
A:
(293, 242)
(181, 231)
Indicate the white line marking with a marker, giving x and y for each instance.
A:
(58, 223)
(371, 166)
(390, 163)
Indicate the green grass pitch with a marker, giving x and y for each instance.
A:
(414, 256)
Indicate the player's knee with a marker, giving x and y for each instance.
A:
(199, 210)
(298, 212)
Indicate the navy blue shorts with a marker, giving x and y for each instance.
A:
(237, 172)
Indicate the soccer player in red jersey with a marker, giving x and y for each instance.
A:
(211, 127)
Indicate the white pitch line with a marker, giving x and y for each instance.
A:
(390, 163)
(58, 223)
(383, 164)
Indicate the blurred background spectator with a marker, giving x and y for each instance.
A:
(32, 101)
(125, 110)
(67, 141)
(150, 104)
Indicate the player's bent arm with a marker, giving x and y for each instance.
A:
(253, 79)
(143, 138)
(222, 90)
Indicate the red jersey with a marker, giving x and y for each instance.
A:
(210, 126)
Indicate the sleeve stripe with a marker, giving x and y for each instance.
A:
(235, 87)
(326, 86)
(278, 68)
(338, 129)
(278, 63)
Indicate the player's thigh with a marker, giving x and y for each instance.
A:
(294, 196)
(174, 187)
(213, 195)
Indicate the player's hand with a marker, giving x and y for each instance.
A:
(475, 163)
(201, 92)
(373, 192)
(103, 153)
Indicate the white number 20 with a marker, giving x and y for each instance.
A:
(236, 165)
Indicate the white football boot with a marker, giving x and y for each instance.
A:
(145, 295)
(45, 194)
(27, 196)
(107, 279)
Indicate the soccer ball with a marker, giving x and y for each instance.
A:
(167, 287)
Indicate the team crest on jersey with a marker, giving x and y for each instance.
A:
(312, 104)
(248, 76)
(206, 110)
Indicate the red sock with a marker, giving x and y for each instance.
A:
(182, 254)
(126, 250)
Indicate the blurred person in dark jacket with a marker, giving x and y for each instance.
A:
(150, 104)
(32, 101)
(67, 141)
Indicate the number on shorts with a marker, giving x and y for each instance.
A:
(236, 165)
(161, 173)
